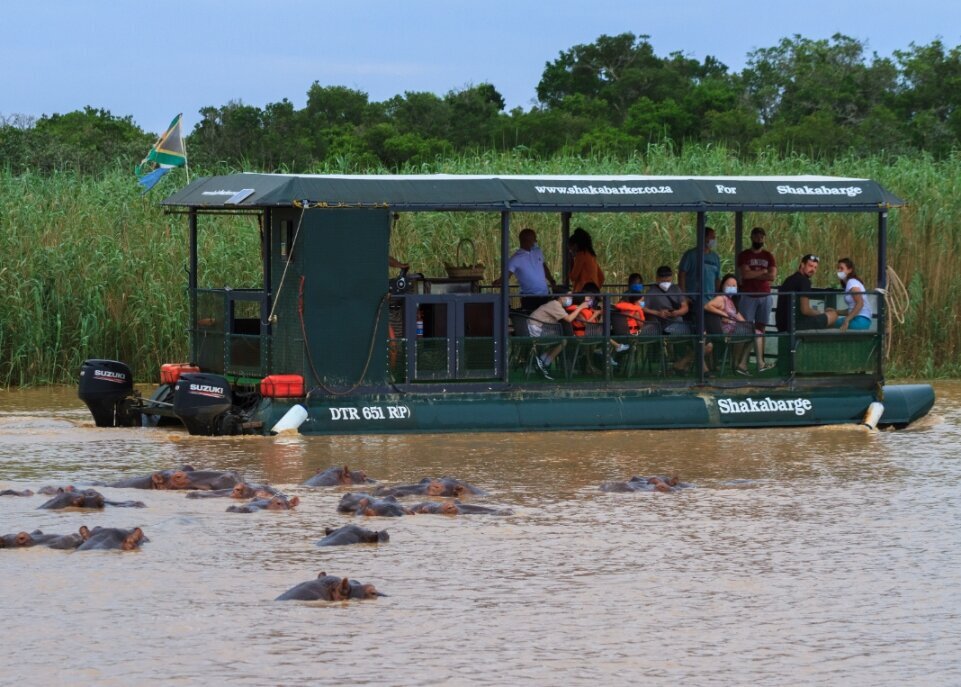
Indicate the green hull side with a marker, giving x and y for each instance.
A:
(596, 410)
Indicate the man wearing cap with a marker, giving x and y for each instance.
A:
(758, 269)
(806, 316)
(688, 274)
(528, 267)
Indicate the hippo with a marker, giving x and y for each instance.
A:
(239, 491)
(387, 507)
(88, 498)
(275, 502)
(329, 588)
(38, 538)
(50, 490)
(443, 486)
(457, 508)
(657, 483)
(336, 476)
(352, 534)
(348, 502)
(185, 477)
(68, 541)
(24, 539)
(101, 538)
(14, 492)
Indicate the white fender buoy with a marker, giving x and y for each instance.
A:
(291, 420)
(873, 415)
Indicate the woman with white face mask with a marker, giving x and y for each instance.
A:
(732, 323)
(859, 313)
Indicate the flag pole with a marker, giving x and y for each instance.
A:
(183, 144)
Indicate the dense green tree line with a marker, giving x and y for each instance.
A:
(614, 96)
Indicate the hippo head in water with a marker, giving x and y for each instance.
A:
(16, 541)
(111, 538)
(281, 502)
(242, 491)
(441, 487)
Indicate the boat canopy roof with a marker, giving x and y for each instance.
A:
(542, 193)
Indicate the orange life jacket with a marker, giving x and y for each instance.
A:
(578, 324)
(635, 315)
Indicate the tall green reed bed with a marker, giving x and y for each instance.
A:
(89, 268)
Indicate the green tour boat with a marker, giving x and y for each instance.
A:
(328, 344)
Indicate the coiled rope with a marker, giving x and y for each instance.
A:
(897, 300)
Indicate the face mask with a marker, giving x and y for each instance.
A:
(712, 244)
(757, 245)
(665, 285)
(731, 290)
(567, 301)
(636, 288)
(842, 275)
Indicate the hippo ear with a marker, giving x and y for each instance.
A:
(327, 531)
(343, 589)
(346, 470)
(321, 574)
(293, 501)
(132, 539)
(84, 532)
(187, 468)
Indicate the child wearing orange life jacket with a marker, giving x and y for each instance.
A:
(632, 304)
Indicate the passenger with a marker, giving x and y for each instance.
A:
(593, 314)
(553, 311)
(528, 267)
(806, 316)
(732, 323)
(858, 315)
(632, 303)
(687, 274)
(664, 302)
(758, 269)
(584, 267)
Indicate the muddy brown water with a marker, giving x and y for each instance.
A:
(802, 556)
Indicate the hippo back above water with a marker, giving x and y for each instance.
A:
(329, 588)
(659, 483)
(185, 477)
(352, 534)
(433, 486)
(338, 476)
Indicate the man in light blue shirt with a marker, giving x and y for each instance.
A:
(687, 276)
(528, 267)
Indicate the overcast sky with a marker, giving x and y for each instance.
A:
(153, 60)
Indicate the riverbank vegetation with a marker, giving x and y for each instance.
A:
(88, 267)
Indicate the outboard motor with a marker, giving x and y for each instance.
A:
(203, 402)
(106, 386)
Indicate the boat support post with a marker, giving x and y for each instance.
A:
(505, 296)
(192, 280)
(565, 237)
(699, 302)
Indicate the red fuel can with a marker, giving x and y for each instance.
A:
(282, 386)
(170, 372)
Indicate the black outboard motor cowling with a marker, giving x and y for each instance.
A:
(200, 399)
(106, 386)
